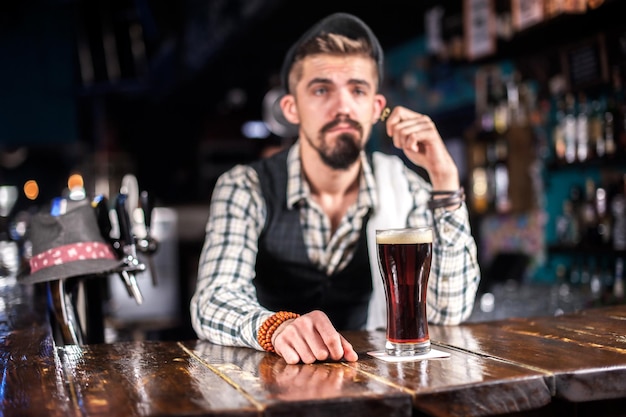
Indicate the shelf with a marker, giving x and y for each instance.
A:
(560, 30)
(618, 161)
(586, 250)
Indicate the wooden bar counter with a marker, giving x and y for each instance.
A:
(571, 365)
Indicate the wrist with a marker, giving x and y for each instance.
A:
(451, 185)
(447, 179)
(265, 334)
(279, 330)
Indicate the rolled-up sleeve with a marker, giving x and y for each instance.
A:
(455, 273)
(224, 307)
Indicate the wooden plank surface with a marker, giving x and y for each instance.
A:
(320, 389)
(464, 384)
(32, 381)
(585, 352)
(533, 366)
(148, 379)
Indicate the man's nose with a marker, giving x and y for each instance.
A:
(343, 105)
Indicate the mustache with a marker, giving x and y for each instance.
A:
(338, 120)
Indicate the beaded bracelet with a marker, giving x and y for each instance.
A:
(269, 326)
(451, 198)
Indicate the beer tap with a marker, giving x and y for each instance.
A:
(9, 262)
(148, 244)
(139, 206)
(101, 205)
(127, 242)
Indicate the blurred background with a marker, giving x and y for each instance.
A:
(163, 88)
(177, 92)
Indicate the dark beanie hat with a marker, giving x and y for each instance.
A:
(339, 23)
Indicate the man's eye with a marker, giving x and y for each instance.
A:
(320, 90)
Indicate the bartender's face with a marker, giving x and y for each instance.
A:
(335, 102)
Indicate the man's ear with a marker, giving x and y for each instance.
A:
(379, 105)
(288, 106)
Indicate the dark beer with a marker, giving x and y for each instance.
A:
(404, 257)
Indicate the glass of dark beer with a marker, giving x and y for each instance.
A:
(404, 257)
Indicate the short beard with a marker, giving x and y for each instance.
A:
(346, 151)
(345, 154)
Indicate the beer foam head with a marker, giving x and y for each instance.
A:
(410, 235)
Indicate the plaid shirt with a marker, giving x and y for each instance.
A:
(224, 308)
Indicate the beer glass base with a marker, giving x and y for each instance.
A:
(407, 349)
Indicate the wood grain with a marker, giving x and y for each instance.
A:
(573, 364)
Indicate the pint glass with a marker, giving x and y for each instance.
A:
(404, 257)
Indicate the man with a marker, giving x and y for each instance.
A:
(289, 258)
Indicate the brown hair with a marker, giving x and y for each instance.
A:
(327, 43)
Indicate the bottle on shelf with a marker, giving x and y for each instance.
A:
(575, 273)
(619, 110)
(517, 100)
(501, 177)
(613, 117)
(480, 190)
(596, 287)
(569, 128)
(582, 129)
(618, 211)
(606, 280)
(588, 217)
(618, 283)
(492, 159)
(501, 118)
(609, 133)
(596, 136)
(603, 217)
(487, 108)
(558, 132)
(585, 275)
(567, 225)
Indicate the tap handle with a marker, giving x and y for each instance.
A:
(101, 205)
(146, 204)
(123, 220)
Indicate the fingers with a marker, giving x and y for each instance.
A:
(349, 353)
(311, 338)
(419, 139)
(409, 129)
